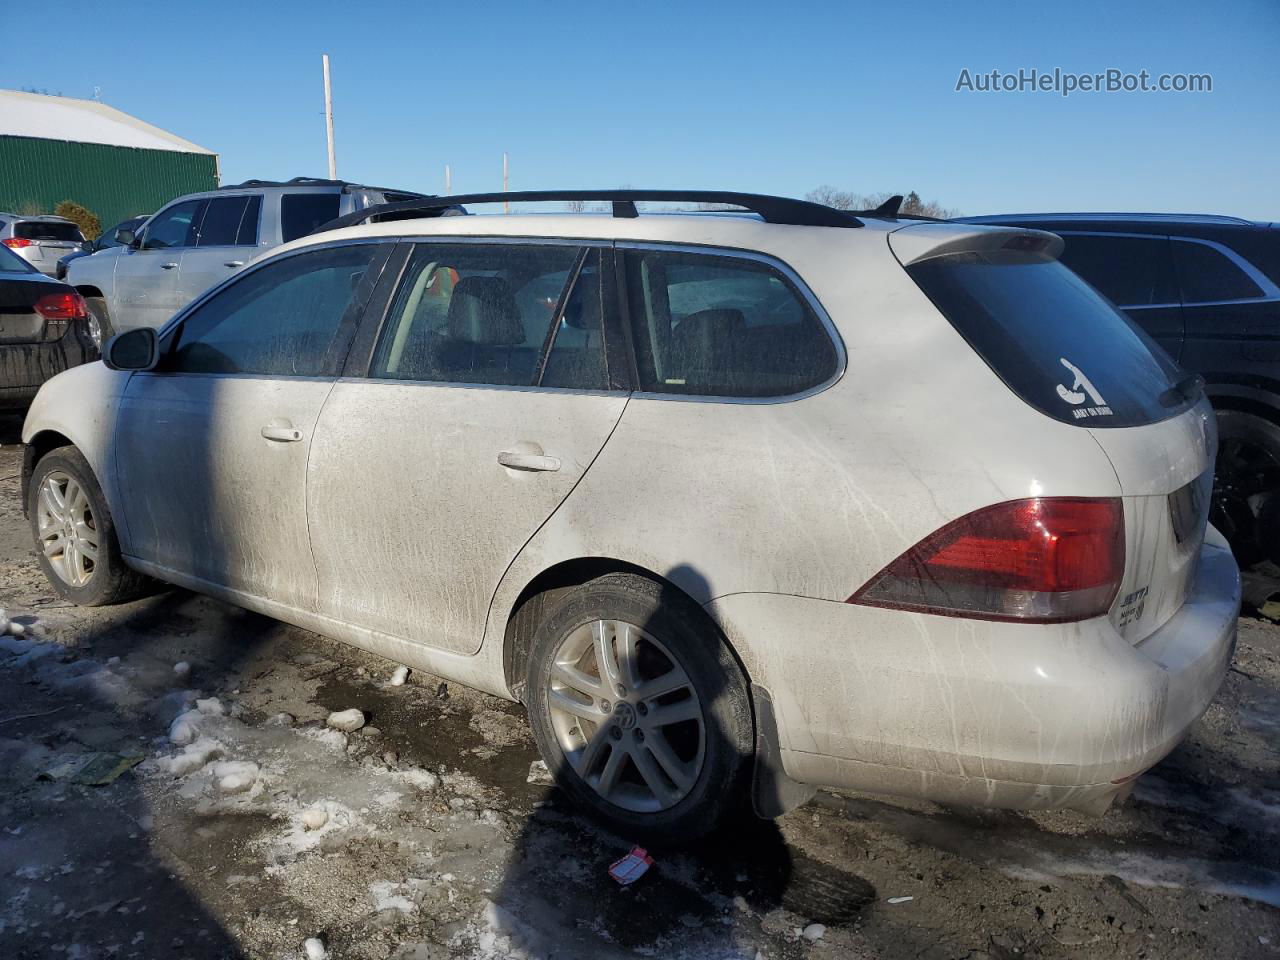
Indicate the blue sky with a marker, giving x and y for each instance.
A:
(766, 97)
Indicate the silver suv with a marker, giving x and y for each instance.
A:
(41, 241)
(199, 240)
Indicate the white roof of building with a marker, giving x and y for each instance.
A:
(82, 121)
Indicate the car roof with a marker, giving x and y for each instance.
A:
(37, 216)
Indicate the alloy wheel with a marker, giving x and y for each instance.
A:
(68, 533)
(627, 716)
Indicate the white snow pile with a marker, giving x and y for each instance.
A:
(398, 677)
(391, 896)
(348, 721)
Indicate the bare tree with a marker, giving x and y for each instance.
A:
(829, 196)
(912, 205)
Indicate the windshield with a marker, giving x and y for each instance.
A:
(1056, 343)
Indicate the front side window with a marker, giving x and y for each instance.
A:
(300, 213)
(1208, 275)
(174, 227)
(723, 326)
(280, 320)
(1128, 271)
(490, 314)
(230, 222)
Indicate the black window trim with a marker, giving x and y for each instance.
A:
(349, 327)
(359, 363)
(790, 277)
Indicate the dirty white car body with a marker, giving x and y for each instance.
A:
(386, 519)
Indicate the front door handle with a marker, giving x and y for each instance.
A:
(281, 432)
(532, 462)
(168, 266)
(233, 263)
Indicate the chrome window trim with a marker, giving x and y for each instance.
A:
(786, 270)
(1270, 292)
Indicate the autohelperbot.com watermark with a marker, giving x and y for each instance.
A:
(1065, 82)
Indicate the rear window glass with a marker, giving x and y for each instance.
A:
(230, 221)
(1129, 271)
(300, 213)
(1049, 336)
(1207, 275)
(10, 262)
(710, 325)
(47, 230)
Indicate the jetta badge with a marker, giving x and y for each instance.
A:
(1082, 389)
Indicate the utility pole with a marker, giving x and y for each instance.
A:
(448, 181)
(328, 118)
(506, 205)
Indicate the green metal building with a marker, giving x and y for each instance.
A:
(59, 148)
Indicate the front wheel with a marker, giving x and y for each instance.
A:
(640, 710)
(75, 538)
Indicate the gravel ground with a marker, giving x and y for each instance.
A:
(249, 826)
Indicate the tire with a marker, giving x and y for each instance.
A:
(98, 314)
(711, 751)
(1246, 492)
(97, 581)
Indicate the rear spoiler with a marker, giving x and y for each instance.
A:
(924, 241)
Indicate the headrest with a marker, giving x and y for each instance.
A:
(483, 310)
(701, 331)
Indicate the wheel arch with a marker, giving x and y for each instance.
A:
(539, 595)
(34, 450)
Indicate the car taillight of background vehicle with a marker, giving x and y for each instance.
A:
(58, 310)
(16, 243)
(1041, 560)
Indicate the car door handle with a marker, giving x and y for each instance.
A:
(168, 266)
(233, 263)
(281, 433)
(532, 462)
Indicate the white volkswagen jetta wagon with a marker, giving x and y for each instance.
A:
(737, 504)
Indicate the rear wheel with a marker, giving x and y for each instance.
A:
(639, 709)
(1246, 489)
(75, 537)
(99, 320)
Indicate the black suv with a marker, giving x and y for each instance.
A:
(1208, 290)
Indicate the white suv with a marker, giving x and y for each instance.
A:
(198, 240)
(736, 504)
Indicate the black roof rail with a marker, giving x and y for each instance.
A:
(771, 209)
(346, 185)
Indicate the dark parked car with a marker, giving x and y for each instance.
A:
(108, 238)
(1208, 290)
(44, 329)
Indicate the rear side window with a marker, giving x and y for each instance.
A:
(1052, 339)
(280, 320)
(300, 213)
(230, 222)
(47, 230)
(723, 326)
(503, 314)
(1208, 275)
(1128, 271)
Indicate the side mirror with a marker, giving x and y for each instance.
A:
(127, 237)
(132, 350)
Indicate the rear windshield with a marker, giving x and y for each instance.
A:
(10, 262)
(1055, 342)
(47, 230)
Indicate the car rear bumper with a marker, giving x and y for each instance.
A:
(994, 714)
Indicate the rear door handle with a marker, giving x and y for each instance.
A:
(531, 462)
(168, 266)
(281, 433)
(233, 263)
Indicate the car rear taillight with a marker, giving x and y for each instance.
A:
(16, 243)
(1042, 560)
(61, 306)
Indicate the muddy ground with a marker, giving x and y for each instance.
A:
(427, 841)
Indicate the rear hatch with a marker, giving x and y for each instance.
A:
(1068, 353)
(50, 240)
